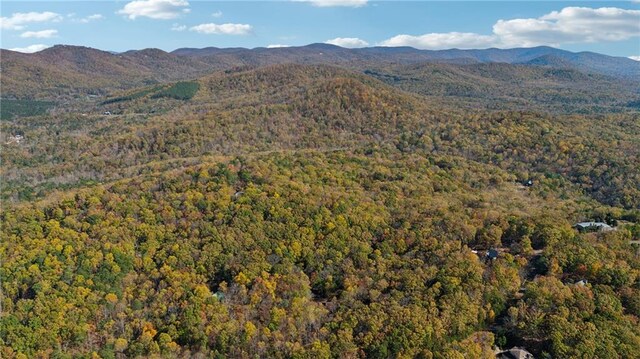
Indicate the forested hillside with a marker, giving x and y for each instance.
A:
(387, 209)
(314, 254)
(505, 86)
(63, 72)
(321, 107)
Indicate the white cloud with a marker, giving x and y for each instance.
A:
(178, 27)
(86, 19)
(155, 9)
(226, 29)
(277, 46)
(332, 3)
(438, 41)
(31, 48)
(636, 58)
(569, 25)
(217, 14)
(19, 20)
(91, 18)
(44, 34)
(348, 42)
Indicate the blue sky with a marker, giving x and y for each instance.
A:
(607, 27)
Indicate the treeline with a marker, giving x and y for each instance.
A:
(132, 96)
(179, 91)
(11, 108)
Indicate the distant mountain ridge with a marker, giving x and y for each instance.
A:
(585, 61)
(64, 70)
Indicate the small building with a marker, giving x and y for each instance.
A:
(15, 139)
(593, 227)
(492, 254)
(528, 183)
(107, 113)
(582, 283)
(514, 353)
(218, 295)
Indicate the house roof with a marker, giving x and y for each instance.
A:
(582, 282)
(592, 224)
(515, 353)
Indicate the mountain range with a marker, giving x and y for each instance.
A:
(325, 53)
(64, 71)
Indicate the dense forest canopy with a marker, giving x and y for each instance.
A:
(317, 255)
(406, 210)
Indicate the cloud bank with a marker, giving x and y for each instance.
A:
(348, 42)
(569, 25)
(91, 18)
(19, 20)
(334, 3)
(461, 40)
(222, 29)
(44, 34)
(31, 48)
(155, 9)
(178, 27)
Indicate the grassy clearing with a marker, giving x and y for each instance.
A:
(133, 96)
(179, 91)
(10, 109)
